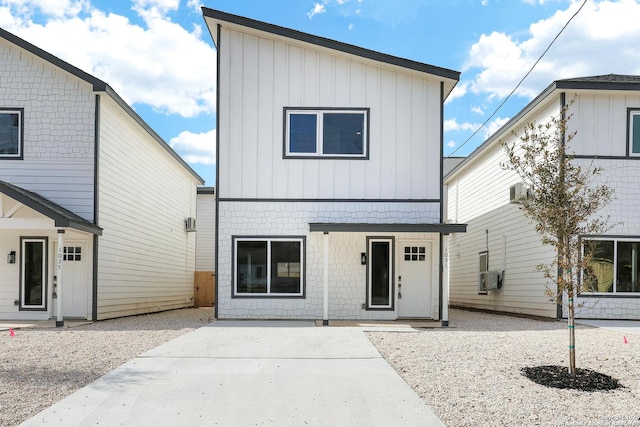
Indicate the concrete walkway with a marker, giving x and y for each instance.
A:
(249, 373)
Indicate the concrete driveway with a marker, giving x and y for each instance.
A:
(249, 373)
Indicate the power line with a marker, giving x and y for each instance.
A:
(519, 83)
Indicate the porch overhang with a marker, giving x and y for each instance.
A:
(62, 218)
(388, 228)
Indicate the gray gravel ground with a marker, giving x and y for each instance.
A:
(469, 373)
(39, 367)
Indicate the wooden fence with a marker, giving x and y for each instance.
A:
(204, 285)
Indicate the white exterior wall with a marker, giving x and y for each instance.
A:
(600, 120)
(206, 232)
(58, 130)
(347, 277)
(478, 196)
(146, 259)
(259, 77)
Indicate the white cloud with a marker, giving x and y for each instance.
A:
(451, 144)
(160, 63)
(493, 126)
(601, 39)
(196, 148)
(318, 8)
(453, 125)
(477, 110)
(196, 5)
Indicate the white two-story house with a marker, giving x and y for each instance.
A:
(328, 192)
(93, 203)
(605, 114)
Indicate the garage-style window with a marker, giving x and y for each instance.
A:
(321, 133)
(269, 266)
(11, 133)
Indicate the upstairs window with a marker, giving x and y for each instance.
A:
(11, 133)
(334, 133)
(634, 132)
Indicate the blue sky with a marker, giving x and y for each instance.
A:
(158, 54)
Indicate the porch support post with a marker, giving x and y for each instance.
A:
(59, 317)
(325, 281)
(444, 251)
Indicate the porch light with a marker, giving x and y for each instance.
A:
(363, 258)
(11, 257)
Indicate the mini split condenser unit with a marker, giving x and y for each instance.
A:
(489, 281)
(190, 224)
(519, 192)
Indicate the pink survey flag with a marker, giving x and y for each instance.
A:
(625, 339)
(11, 333)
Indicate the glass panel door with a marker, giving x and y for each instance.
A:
(33, 280)
(380, 274)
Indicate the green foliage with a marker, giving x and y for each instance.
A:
(563, 206)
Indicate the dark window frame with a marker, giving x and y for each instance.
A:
(614, 293)
(319, 113)
(20, 154)
(45, 278)
(392, 266)
(234, 266)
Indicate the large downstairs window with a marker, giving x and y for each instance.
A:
(614, 266)
(11, 133)
(322, 133)
(268, 266)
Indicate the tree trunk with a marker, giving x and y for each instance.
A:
(571, 321)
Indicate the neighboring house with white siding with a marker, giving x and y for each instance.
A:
(329, 178)
(605, 114)
(93, 202)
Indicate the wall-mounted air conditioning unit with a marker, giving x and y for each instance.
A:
(519, 192)
(489, 281)
(190, 224)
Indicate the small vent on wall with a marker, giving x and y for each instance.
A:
(190, 224)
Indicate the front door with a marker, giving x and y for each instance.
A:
(75, 282)
(414, 279)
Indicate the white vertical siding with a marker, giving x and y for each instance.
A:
(266, 75)
(146, 259)
(600, 122)
(478, 195)
(58, 130)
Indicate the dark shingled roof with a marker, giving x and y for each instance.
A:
(61, 216)
(603, 82)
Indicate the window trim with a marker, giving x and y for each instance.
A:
(20, 113)
(45, 273)
(614, 293)
(319, 112)
(234, 270)
(390, 240)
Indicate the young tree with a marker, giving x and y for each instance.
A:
(563, 204)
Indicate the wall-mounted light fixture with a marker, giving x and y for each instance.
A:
(11, 257)
(363, 258)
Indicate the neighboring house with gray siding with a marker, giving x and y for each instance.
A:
(605, 115)
(93, 202)
(329, 178)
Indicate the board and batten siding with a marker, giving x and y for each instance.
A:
(478, 195)
(58, 129)
(260, 76)
(146, 258)
(599, 119)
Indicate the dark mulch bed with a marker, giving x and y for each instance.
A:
(559, 377)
